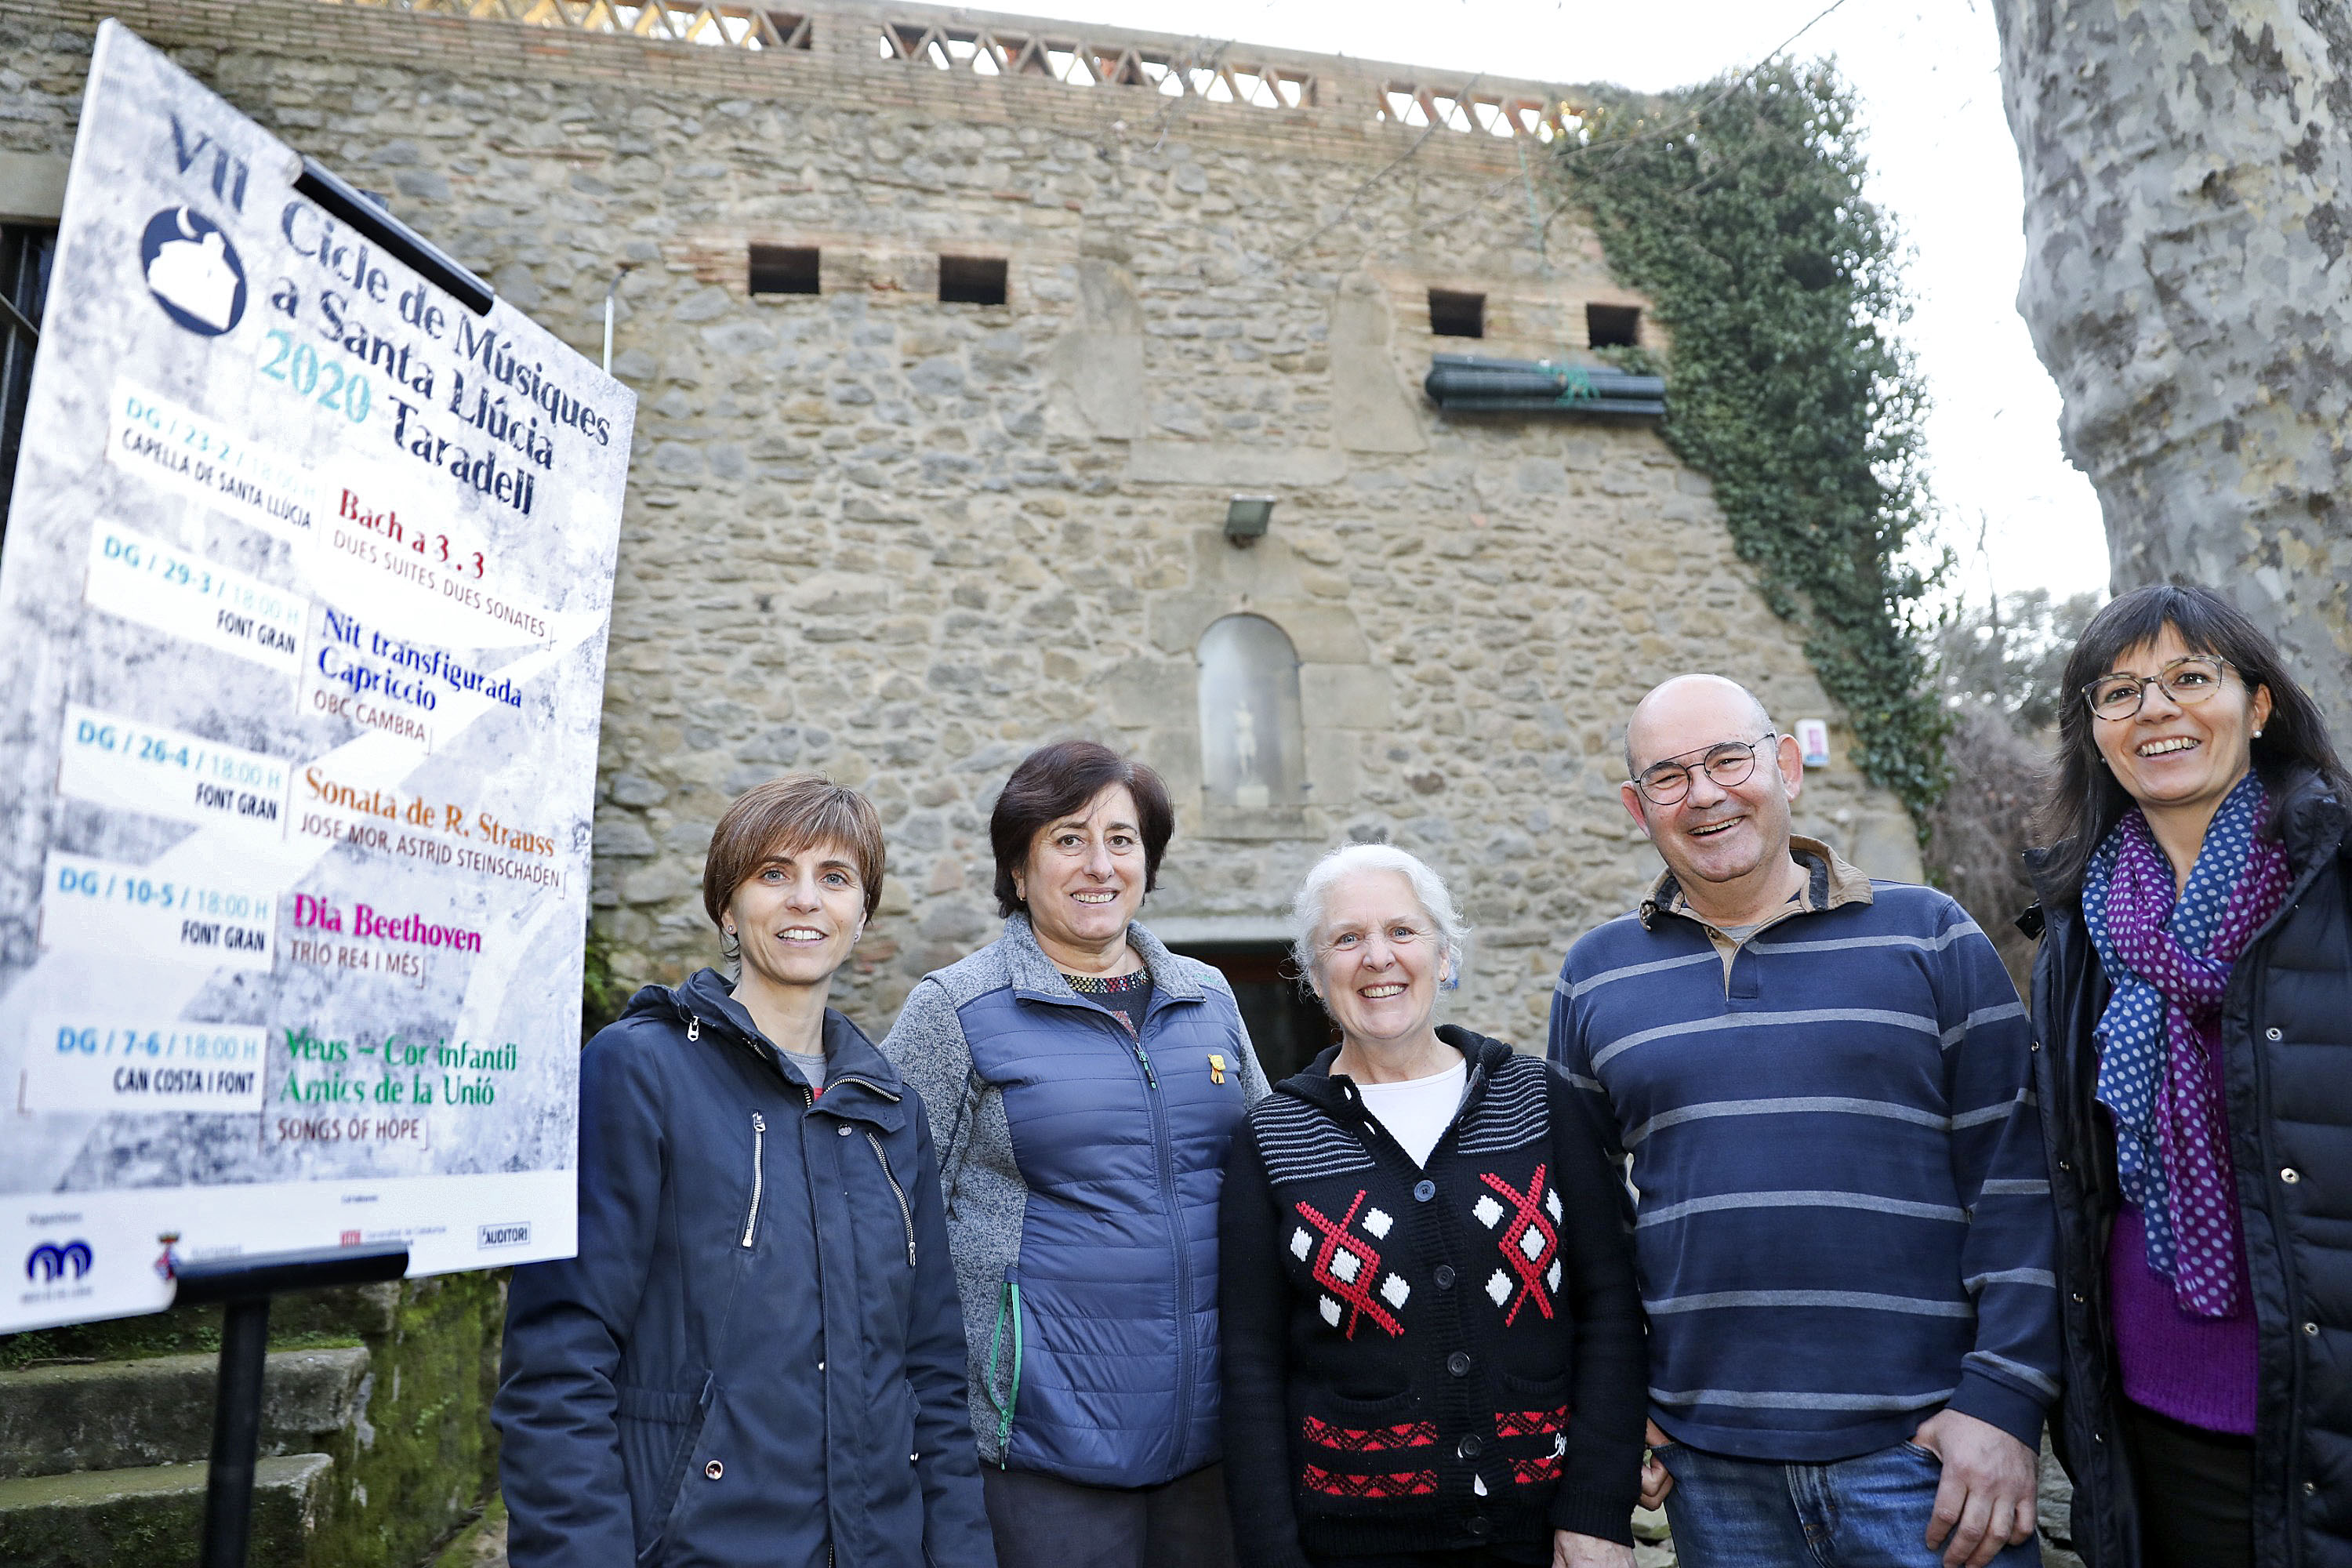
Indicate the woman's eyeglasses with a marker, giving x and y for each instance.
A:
(2186, 682)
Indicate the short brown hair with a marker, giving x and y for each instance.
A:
(1052, 783)
(786, 816)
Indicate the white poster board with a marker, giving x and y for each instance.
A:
(302, 619)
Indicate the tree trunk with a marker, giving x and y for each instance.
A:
(2188, 205)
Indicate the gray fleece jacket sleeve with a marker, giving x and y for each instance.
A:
(983, 1196)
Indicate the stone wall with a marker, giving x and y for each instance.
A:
(903, 541)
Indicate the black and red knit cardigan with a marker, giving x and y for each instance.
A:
(1427, 1358)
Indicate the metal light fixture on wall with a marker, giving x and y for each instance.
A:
(1246, 518)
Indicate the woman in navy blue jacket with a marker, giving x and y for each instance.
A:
(756, 1356)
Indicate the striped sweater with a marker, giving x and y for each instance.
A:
(1843, 1222)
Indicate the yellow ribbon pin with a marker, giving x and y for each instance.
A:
(1216, 1068)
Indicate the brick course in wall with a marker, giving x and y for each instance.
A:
(902, 541)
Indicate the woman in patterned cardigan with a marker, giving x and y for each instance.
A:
(1426, 1275)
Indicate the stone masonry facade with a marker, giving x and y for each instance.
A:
(902, 541)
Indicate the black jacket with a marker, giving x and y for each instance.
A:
(757, 1356)
(2286, 1041)
(1397, 1335)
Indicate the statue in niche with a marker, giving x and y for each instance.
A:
(1251, 792)
(1252, 747)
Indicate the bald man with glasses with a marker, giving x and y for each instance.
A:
(1843, 1229)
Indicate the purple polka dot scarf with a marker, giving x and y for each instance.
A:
(2160, 1038)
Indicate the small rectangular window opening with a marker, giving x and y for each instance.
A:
(783, 270)
(972, 281)
(1612, 326)
(1458, 315)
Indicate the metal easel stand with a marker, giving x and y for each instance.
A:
(245, 1285)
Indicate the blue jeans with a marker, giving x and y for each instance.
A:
(1865, 1513)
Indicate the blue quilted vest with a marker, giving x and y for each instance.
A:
(1106, 1333)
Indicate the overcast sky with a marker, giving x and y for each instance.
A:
(1942, 162)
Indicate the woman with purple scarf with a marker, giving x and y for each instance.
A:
(2193, 1004)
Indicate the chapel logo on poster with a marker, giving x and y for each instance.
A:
(193, 271)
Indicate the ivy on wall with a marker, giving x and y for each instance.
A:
(603, 993)
(1738, 208)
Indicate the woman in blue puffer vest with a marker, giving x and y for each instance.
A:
(1084, 1083)
(756, 1356)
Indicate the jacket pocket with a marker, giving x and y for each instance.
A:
(759, 1180)
(906, 1214)
(1531, 1428)
(890, 1489)
(1341, 1425)
(1358, 1456)
(657, 1429)
(1004, 1348)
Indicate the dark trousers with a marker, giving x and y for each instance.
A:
(1040, 1521)
(2195, 1493)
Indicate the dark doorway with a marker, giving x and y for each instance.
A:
(25, 253)
(1287, 1025)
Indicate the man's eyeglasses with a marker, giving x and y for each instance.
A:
(1728, 764)
(2187, 681)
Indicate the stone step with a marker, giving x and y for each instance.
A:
(153, 1517)
(54, 1420)
(304, 1317)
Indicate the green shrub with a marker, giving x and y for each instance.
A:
(1738, 208)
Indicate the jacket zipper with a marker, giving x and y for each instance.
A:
(759, 1176)
(816, 1260)
(906, 1214)
(2258, 1003)
(1162, 1138)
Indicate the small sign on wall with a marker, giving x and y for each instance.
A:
(1813, 741)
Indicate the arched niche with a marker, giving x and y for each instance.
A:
(1253, 748)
